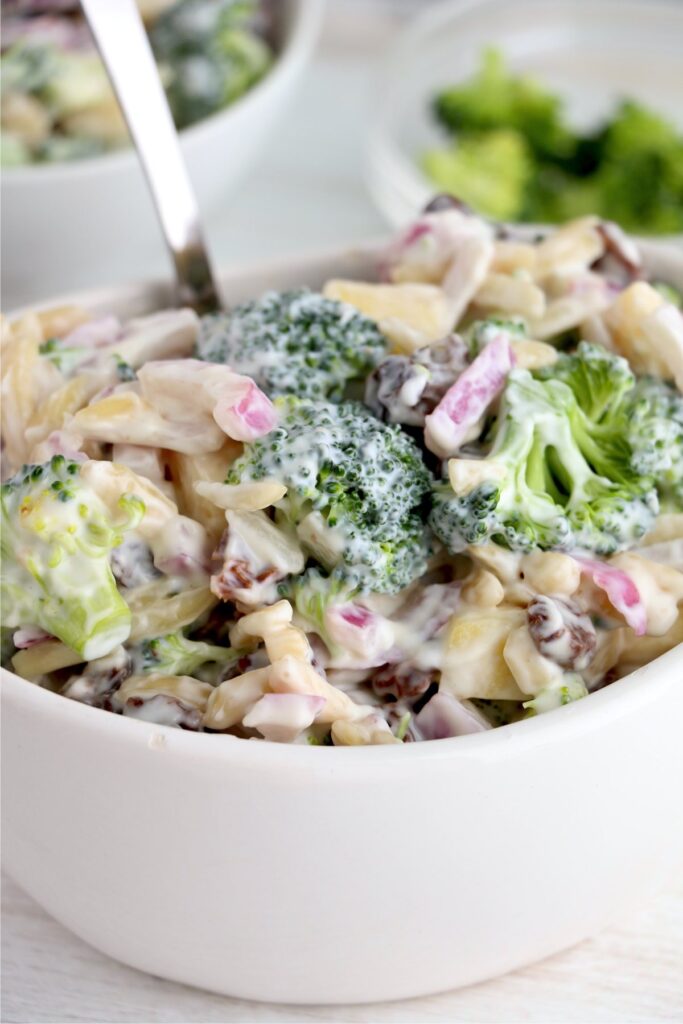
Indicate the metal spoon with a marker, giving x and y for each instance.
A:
(127, 56)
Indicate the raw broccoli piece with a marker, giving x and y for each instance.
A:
(598, 378)
(494, 98)
(355, 490)
(654, 414)
(175, 655)
(629, 169)
(312, 594)
(490, 172)
(645, 415)
(326, 605)
(294, 343)
(57, 537)
(562, 471)
(572, 688)
(481, 332)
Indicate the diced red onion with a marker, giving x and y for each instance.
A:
(466, 401)
(360, 631)
(246, 415)
(620, 589)
(444, 716)
(29, 636)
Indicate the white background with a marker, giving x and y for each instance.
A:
(308, 192)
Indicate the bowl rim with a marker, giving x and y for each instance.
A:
(633, 692)
(306, 17)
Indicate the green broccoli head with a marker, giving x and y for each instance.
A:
(481, 332)
(598, 378)
(175, 655)
(355, 490)
(312, 594)
(470, 167)
(57, 536)
(511, 505)
(641, 177)
(654, 414)
(294, 343)
(639, 421)
(496, 98)
(562, 471)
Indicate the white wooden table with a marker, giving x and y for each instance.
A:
(632, 973)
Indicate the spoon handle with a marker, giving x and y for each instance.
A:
(127, 56)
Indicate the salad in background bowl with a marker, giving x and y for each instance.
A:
(58, 103)
(58, 216)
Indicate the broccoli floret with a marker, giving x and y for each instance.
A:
(598, 378)
(628, 169)
(654, 414)
(481, 332)
(572, 688)
(355, 490)
(490, 172)
(641, 176)
(562, 471)
(312, 594)
(645, 415)
(294, 343)
(57, 537)
(175, 655)
(495, 98)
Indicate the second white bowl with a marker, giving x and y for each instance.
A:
(62, 222)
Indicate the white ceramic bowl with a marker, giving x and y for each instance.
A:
(332, 875)
(62, 219)
(591, 52)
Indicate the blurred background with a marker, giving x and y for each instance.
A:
(378, 113)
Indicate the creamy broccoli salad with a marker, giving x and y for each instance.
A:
(381, 513)
(57, 102)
